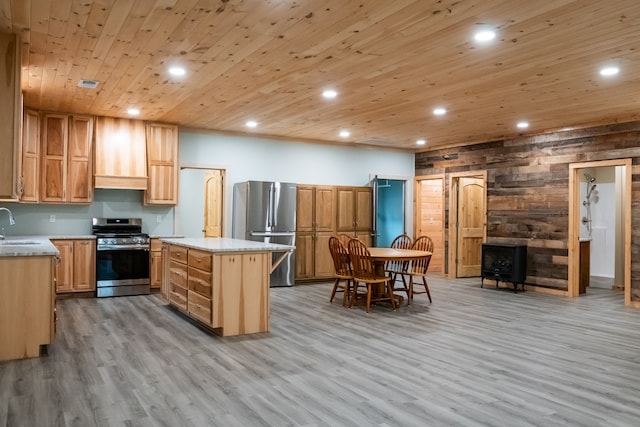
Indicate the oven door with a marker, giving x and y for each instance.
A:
(122, 272)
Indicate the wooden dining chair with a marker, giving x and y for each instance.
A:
(344, 239)
(344, 276)
(364, 274)
(418, 268)
(395, 268)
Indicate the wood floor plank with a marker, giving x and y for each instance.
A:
(475, 357)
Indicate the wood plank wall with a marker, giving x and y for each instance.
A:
(528, 190)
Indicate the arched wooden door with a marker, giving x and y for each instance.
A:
(213, 204)
(467, 223)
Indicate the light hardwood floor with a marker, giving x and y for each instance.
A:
(475, 357)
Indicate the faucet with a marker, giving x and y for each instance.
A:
(11, 222)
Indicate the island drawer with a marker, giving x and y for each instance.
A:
(199, 307)
(200, 259)
(178, 274)
(200, 282)
(178, 253)
(178, 296)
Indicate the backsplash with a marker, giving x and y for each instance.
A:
(35, 219)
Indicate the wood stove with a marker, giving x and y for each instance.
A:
(504, 263)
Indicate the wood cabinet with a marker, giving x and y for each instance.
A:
(162, 164)
(66, 159)
(27, 305)
(315, 224)
(155, 264)
(177, 277)
(228, 292)
(354, 212)
(241, 293)
(120, 154)
(76, 271)
(10, 117)
(199, 280)
(30, 179)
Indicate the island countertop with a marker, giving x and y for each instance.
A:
(225, 244)
(27, 246)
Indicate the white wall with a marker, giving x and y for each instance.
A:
(259, 159)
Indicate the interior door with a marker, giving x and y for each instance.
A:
(388, 208)
(430, 217)
(471, 220)
(213, 204)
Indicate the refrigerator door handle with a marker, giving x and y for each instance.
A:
(270, 233)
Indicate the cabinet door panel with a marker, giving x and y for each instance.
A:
(304, 208)
(345, 209)
(155, 270)
(83, 265)
(304, 255)
(64, 268)
(79, 183)
(253, 311)
(30, 182)
(325, 208)
(54, 157)
(363, 209)
(323, 261)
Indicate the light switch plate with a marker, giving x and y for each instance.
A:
(158, 219)
(52, 218)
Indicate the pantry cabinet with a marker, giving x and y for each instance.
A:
(315, 224)
(76, 270)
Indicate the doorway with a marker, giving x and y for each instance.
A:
(200, 206)
(467, 223)
(389, 197)
(607, 231)
(429, 216)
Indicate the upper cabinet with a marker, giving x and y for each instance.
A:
(10, 117)
(355, 212)
(120, 156)
(162, 164)
(65, 158)
(30, 179)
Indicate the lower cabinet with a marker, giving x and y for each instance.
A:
(155, 264)
(227, 292)
(313, 259)
(76, 271)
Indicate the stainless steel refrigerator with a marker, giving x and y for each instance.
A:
(266, 212)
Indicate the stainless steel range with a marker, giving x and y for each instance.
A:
(122, 257)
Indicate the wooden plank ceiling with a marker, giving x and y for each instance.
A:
(392, 62)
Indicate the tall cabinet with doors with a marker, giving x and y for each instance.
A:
(354, 212)
(315, 224)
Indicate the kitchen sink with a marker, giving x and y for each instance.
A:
(19, 242)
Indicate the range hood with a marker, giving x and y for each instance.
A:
(120, 154)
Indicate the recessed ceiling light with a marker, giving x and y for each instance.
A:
(329, 93)
(523, 125)
(345, 133)
(484, 35)
(133, 111)
(440, 111)
(177, 71)
(608, 71)
(251, 124)
(421, 142)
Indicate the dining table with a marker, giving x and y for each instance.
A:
(381, 255)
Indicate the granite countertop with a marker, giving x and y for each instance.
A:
(224, 244)
(70, 237)
(27, 246)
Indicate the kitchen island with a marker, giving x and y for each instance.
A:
(222, 283)
(27, 296)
